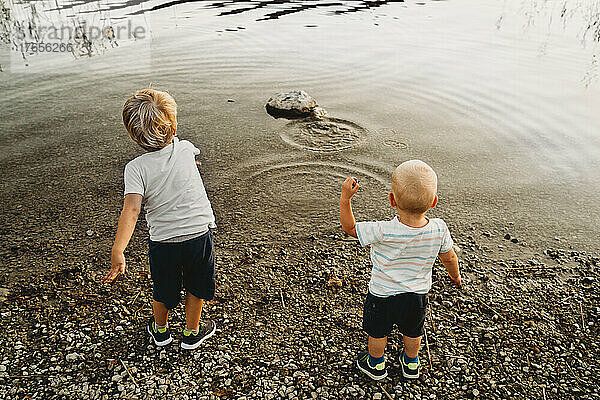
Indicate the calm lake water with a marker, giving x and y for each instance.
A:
(500, 97)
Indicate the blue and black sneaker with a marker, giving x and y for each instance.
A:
(376, 372)
(192, 340)
(410, 366)
(161, 336)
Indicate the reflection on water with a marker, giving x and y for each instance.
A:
(92, 27)
(282, 7)
(584, 13)
(294, 7)
(500, 109)
(41, 27)
(580, 16)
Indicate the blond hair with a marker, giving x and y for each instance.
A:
(150, 117)
(414, 184)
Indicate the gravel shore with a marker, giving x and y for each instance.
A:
(289, 326)
(508, 117)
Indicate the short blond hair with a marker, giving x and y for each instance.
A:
(150, 117)
(414, 184)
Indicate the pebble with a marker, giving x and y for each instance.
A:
(305, 348)
(587, 280)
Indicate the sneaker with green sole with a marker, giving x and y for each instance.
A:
(192, 340)
(161, 336)
(377, 372)
(410, 370)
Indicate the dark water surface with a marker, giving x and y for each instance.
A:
(501, 98)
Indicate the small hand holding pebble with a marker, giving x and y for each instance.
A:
(349, 188)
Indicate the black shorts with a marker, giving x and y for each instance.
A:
(191, 262)
(407, 310)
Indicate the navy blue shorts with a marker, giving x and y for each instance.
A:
(191, 263)
(406, 310)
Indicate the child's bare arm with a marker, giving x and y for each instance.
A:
(450, 261)
(349, 188)
(129, 215)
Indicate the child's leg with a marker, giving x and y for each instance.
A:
(161, 313)
(198, 277)
(377, 346)
(165, 270)
(193, 310)
(411, 346)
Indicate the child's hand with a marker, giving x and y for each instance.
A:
(457, 281)
(349, 188)
(117, 261)
(450, 262)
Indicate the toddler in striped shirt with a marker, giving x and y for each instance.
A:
(403, 251)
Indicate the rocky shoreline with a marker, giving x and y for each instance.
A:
(289, 326)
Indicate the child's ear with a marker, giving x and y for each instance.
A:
(392, 200)
(435, 200)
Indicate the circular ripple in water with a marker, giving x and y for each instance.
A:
(308, 192)
(330, 170)
(396, 144)
(322, 135)
(391, 138)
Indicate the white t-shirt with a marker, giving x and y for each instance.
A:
(174, 197)
(403, 256)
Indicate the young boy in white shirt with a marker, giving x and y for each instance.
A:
(167, 182)
(403, 251)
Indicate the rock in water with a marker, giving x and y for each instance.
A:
(294, 104)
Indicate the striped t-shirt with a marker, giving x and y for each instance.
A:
(403, 256)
